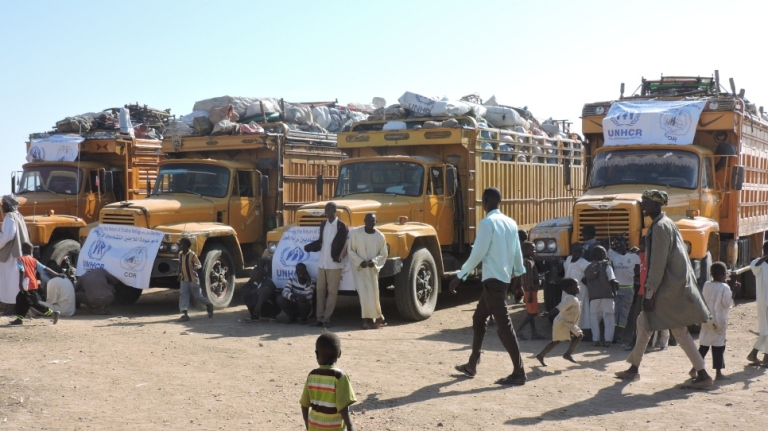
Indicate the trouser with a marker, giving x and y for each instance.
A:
(294, 309)
(26, 300)
(602, 309)
(718, 357)
(628, 335)
(491, 303)
(263, 303)
(190, 288)
(662, 340)
(327, 290)
(623, 305)
(683, 337)
(761, 344)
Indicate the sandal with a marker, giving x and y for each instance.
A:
(369, 326)
(511, 380)
(463, 370)
(380, 323)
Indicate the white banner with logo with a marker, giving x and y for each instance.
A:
(652, 122)
(290, 251)
(55, 148)
(126, 252)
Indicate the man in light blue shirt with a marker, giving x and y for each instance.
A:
(497, 246)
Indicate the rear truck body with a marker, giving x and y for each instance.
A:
(224, 193)
(425, 187)
(59, 198)
(717, 189)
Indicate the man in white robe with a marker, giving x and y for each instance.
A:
(367, 251)
(760, 269)
(14, 234)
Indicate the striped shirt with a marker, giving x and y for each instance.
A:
(327, 392)
(295, 288)
(188, 262)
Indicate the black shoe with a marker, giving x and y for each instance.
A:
(326, 324)
(184, 318)
(55, 316)
(209, 309)
(318, 324)
(17, 322)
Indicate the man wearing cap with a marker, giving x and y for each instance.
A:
(672, 299)
(13, 235)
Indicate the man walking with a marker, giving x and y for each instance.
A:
(497, 246)
(671, 299)
(333, 237)
(367, 253)
(12, 235)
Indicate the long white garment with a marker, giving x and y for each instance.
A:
(363, 247)
(60, 296)
(9, 270)
(602, 309)
(718, 298)
(576, 270)
(761, 285)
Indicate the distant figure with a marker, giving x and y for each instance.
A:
(333, 237)
(760, 269)
(96, 290)
(259, 295)
(12, 236)
(296, 298)
(497, 246)
(719, 299)
(368, 253)
(189, 264)
(328, 391)
(27, 296)
(565, 326)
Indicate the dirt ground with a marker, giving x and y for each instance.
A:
(139, 369)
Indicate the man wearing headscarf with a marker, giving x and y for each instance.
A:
(14, 234)
(671, 299)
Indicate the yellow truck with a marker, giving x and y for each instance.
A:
(425, 186)
(224, 193)
(59, 198)
(716, 179)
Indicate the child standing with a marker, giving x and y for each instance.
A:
(626, 266)
(565, 326)
(717, 294)
(574, 266)
(328, 392)
(602, 286)
(529, 284)
(27, 296)
(190, 284)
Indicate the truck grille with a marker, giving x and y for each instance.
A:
(117, 218)
(614, 221)
(308, 220)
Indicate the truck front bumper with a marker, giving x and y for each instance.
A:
(391, 267)
(165, 267)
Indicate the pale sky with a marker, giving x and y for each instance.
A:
(63, 58)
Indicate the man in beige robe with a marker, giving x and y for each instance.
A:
(367, 251)
(12, 235)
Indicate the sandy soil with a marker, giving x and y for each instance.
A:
(141, 370)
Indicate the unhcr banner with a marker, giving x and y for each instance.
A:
(55, 148)
(126, 252)
(652, 122)
(290, 251)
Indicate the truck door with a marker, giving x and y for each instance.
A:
(439, 209)
(244, 209)
(710, 197)
(88, 209)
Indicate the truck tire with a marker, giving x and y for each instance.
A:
(748, 285)
(55, 253)
(416, 286)
(126, 295)
(218, 276)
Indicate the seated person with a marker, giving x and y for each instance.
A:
(96, 289)
(296, 300)
(259, 295)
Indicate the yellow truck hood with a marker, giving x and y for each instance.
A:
(42, 202)
(352, 210)
(160, 210)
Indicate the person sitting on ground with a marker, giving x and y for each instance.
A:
(328, 391)
(61, 295)
(296, 300)
(602, 286)
(189, 264)
(565, 326)
(259, 295)
(27, 296)
(96, 290)
(719, 298)
(529, 283)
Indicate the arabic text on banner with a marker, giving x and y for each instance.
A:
(126, 252)
(652, 122)
(55, 148)
(290, 251)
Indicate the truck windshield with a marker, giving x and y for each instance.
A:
(652, 167)
(195, 178)
(54, 179)
(400, 178)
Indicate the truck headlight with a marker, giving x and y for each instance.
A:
(688, 246)
(551, 245)
(540, 245)
(163, 248)
(174, 248)
(272, 247)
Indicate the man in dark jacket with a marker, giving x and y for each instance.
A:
(333, 237)
(259, 295)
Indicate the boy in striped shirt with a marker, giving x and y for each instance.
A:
(328, 392)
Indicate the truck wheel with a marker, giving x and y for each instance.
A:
(55, 253)
(416, 286)
(126, 295)
(218, 276)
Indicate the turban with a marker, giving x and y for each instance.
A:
(656, 196)
(11, 201)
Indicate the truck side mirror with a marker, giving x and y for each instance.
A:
(264, 186)
(319, 185)
(450, 180)
(737, 178)
(567, 172)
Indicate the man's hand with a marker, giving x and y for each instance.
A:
(454, 284)
(363, 264)
(544, 314)
(371, 264)
(648, 305)
(300, 299)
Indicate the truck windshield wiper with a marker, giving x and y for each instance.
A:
(194, 193)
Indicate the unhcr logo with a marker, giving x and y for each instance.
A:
(37, 154)
(624, 121)
(292, 256)
(98, 249)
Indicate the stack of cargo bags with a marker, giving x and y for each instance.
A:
(135, 120)
(228, 115)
